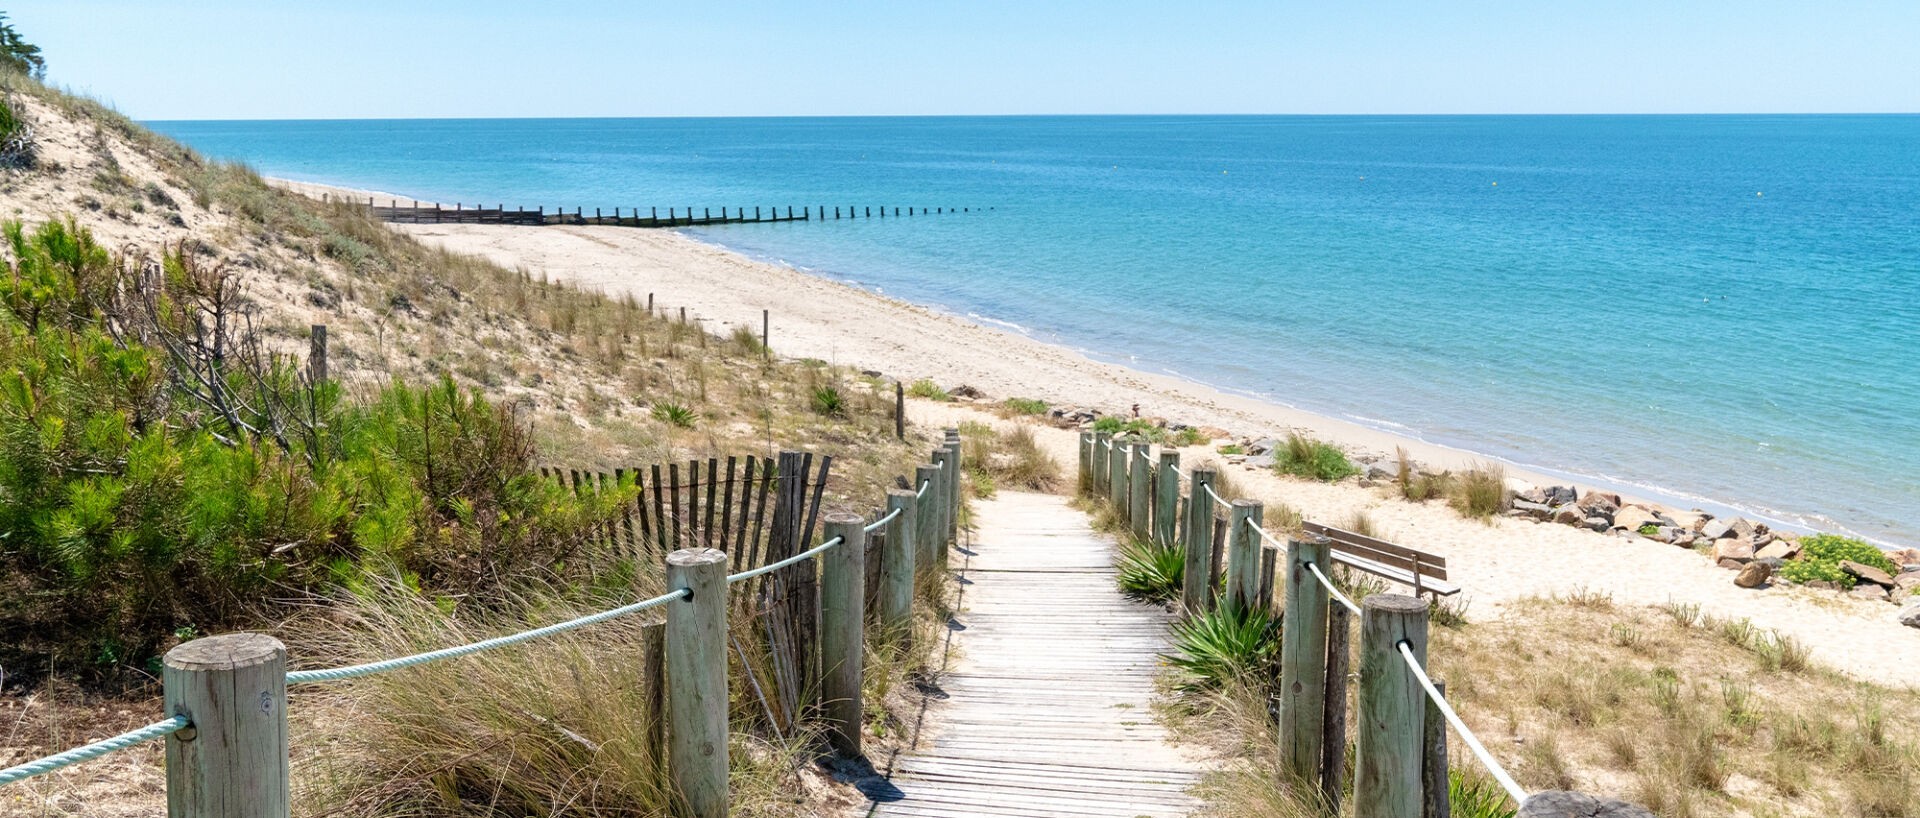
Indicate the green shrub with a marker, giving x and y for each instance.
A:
(1314, 459)
(1649, 530)
(748, 341)
(1111, 424)
(1220, 645)
(1477, 796)
(826, 400)
(1821, 555)
(1232, 448)
(926, 388)
(674, 414)
(1189, 436)
(1151, 572)
(1480, 493)
(1026, 406)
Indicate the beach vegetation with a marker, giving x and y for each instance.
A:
(1312, 458)
(1025, 406)
(1150, 571)
(827, 400)
(1231, 449)
(1224, 646)
(16, 54)
(1474, 794)
(1360, 523)
(1648, 530)
(1480, 492)
(1189, 436)
(1011, 458)
(1111, 424)
(1821, 555)
(678, 415)
(747, 341)
(926, 389)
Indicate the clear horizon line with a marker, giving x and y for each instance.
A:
(451, 118)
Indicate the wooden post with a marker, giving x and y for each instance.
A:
(899, 411)
(1084, 476)
(954, 496)
(1195, 595)
(927, 516)
(1243, 556)
(1434, 801)
(843, 591)
(317, 355)
(766, 333)
(1392, 719)
(232, 763)
(653, 685)
(1303, 663)
(1139, 488)
(1102, 451)
(1333, 725)
(1166, 502)
(897, 568)
(697, 681)
(1117, 475)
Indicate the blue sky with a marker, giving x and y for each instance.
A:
(219, 59)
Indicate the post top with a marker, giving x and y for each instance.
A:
(1310, 538)
(1394, 604)
(1245, 503)
(926, 467)
(904, 495)
(1202, 474)
(228, 651)
(693, 557)
(844, 518)
(1169, 453)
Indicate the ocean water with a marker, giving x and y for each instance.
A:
(1719, 310)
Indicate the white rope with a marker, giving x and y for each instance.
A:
(1332, 590)
(771, 567)
(924, 485)
(92, 751)
(1466, 735)
(384, 665)
(876, 525)
(1217, 498)
(1277, 542)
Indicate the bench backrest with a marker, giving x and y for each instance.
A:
(1418, 563)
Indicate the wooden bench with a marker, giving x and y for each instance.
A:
(1427, 573)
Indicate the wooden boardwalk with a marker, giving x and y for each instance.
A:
(1048, 701)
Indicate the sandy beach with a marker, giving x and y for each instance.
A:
(1499, 565)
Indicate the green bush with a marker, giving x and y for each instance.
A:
(1151, 572)
(1314, 459)
(1214, 647)
(1026, 406)
(1821, 555)
(927, 389)
(828, 401)
(675, 414)
(1477, 796)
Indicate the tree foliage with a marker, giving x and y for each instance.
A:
(18, 54)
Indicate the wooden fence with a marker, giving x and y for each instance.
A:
(1400, 754)
(460, 213)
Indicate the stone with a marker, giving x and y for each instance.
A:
(1907, 581)
(1528, 508)
(1261, 461)
(1738, 550)
(1867, 573)
(1763, 540)
(1771, 562)
(1753, 575)
(1559, 495)
(965, 391)
(1716, 529)
(1778, 549)
(1824, 585)
(1742, 528)
(1213, 432)
(1730, 564)
(1600, 499)
(1632, 518)
(1262, 446)
(1905, 556)
(1868, 591)
(1569, 515)
(1533, 495)
(1910, 617)
(1563, 804)
(1600, 524)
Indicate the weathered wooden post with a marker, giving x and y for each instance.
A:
(943, 458)
(897, 567)
(1333, 726)
(954, 491)
(1303, 663)
(232, 761)
(317, 355)
(843, 591)
(697, 680)
(1166, 501)
(1102, 452)
(653, 685)
(1139, 488)
(899, 411)
(926, 516)
(766, 334)
(1243, 556)
(1392, 720)
(1085, 474)
(1117, 475)
(1195, 593)
(1434, 801)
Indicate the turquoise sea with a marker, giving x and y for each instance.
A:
(1717, 310)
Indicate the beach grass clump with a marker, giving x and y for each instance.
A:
(827, 400)
(1231, 449)
(748, 341)
(1474, 794)
(1314, 459)
(926, 389)
(1480, 492)
(1821, 555)
(678, 415)
(1189, 436)
(1360, 523)
(1226, 645)
(1024, 406)
(1150, 571)
(1012, 458)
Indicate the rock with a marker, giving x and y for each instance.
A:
(1261, 461)
(1742, 528)
(1632, 518)
(1869, 591)
(1383, 470)
(1236, 458)
(1516, 485)
(1562, 804)
(1538, 511)
(1716, 529)
(1907, 581)
(1600, 498)
(1763, 540)
(965, 391)
(1667, 533)
(1824, 585)
(1213, 432)
(1600, 524)
(1598, 505)
(1262, 446)
(1753, 575)
(1559, 495)
(1533, 495)
(1569, 515)
(1771, 562)
(1867, 573)
(1905, 556)
(1911, 616)
(1738, 550)
(1779, 549)
(1730, 564)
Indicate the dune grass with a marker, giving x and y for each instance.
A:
(1312, 458)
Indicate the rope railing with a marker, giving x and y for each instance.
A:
(1466, 735)
(42, 766)
(876, 525)
(924, 485)
(1216, 497)
(775, 566)
(1340, 597)
(384, 665)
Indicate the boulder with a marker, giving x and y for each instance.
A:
(1779, 549)
(1600, 524)
(1534, 495)
(1569, 515)
(1868, 591)
(1559, 495)
(1753, 575)
(1600, 499)
(1632, 518)
(1730, 564)
(1716, 529)
(1910, 616)
(1261, 461)
(1824, 585)
(1907, 581)
(1741, 527)
(1667, 533)
(1737, 550)
(1905, 556)
(1262, 446)
(1867, 573)
(1538, 511)
(1382, 470)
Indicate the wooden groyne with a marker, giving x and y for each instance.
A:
(460, 213)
